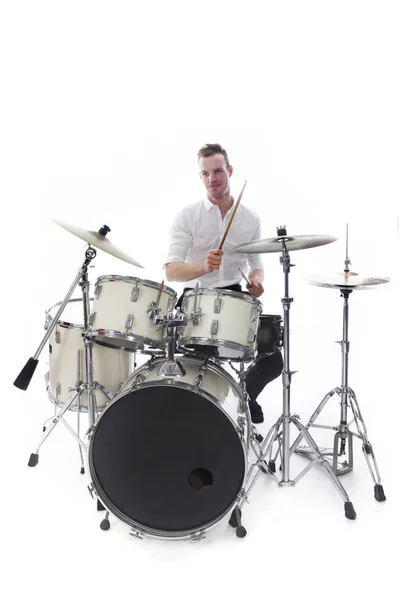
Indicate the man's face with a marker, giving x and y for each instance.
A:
(215, 175)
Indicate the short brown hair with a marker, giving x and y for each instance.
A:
(211, 150)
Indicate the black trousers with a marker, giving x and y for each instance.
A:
(265, 369)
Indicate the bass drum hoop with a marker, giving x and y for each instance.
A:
(158, 533)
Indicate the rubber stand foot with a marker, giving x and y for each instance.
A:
(349, 511)
(241, 532)
(105, 525)
(379, 493)
(33, 460)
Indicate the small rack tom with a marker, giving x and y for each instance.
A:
(221, 322)
(123, 313)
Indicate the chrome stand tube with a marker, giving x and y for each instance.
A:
(280, 432)
(344, 436)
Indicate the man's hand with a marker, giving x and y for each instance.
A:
(255, 288)
(213, 260)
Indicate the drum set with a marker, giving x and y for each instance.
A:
(170, 447)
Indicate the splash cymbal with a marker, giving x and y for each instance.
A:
(99, 240)
(292, 242)
(347, 281)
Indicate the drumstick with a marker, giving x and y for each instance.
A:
(244, 277)
(160, 291)
(231, 217)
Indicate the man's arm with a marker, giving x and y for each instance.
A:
(256, 278)
(180, 271)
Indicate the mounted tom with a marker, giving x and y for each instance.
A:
(220, 322)
(124, 312)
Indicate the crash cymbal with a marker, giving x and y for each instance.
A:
(292, 242)
(347, 281)
(99, 240)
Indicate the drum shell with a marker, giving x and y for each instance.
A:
(216, 382)
(117, 299)
(237, 322)
(67, 366)
(135, 457)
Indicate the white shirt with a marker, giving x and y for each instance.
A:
(198, 228)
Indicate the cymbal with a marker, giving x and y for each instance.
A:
(98, 240)
(347, 281)
(292, 242)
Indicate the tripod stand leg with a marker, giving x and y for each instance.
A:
(314, 416)
(34, 457)
(78, 431)
(348, 506)
(367, 448)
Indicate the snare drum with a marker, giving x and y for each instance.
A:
(222, 320)
(168, 456)
(67, 364)
(124, 310)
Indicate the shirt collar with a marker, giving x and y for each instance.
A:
(208, 205)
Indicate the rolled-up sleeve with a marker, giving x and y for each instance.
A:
(180, 239)
(254, 260)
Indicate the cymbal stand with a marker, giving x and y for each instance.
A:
(348, 399)
(25, 376)
(280, 431)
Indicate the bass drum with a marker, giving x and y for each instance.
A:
(165, 456)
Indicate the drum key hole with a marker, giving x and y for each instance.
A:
(201, 479)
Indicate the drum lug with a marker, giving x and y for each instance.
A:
(138, 535)
(198, 382)
(58, 389)
(214, 327)
(251, 335)
(254, 314)
(217, 304)
(197, 537)
(92, 318)
(91, 490)
(57, 337)
(47, 378)
(140, 378)
(135, 293)
(97, 290)
(129, 322)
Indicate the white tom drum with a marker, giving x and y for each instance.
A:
(67, 369)
(221, 321)
(123, 312)
(168, 456)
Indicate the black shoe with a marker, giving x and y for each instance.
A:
(256, 412)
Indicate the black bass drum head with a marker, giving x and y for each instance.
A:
(166, 459)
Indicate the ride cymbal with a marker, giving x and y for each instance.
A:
(98, 240)
(292, 242)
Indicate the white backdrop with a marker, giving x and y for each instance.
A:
(104, 107)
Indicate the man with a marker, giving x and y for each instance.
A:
(194, 256)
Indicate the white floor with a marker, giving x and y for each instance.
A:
(299, 543)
